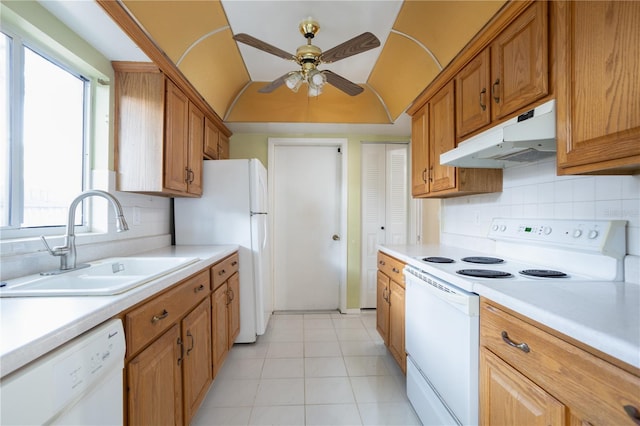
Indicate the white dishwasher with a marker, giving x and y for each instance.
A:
(79, 383)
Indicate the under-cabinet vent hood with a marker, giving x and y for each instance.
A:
(526, 138)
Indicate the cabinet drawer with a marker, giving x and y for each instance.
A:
(221, 271)
(146, 322)
(392, 267)
(594, 389)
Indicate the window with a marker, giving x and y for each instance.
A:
(44, 127)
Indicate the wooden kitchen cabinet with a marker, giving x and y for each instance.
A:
(168, 365)
(569, 383)
(598, 93)
(390, 306)
(211, 138)
(223, 147)
(197, 370)
(225, 304)
(520, 62)
(433, 129)
(473, 100)
(159, 134)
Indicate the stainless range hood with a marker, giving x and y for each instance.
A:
(526, 138)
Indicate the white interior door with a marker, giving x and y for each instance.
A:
(385, 201)
(306, 187)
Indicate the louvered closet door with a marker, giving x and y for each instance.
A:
(384, 203)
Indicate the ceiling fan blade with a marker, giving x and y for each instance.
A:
(362, 43)
(274, 84)
(261, 45)
(342, 83)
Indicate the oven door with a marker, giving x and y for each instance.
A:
(442, 338)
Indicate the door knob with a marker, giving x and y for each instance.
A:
(336, 237)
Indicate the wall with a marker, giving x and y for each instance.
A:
(534, 191)
(255, 146)
(147, 216)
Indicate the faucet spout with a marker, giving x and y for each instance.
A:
(67, 252)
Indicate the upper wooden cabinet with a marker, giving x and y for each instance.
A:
(519, 62)
(433, 133)
(211, 138)
(160, 133)
(598, 93)
(507, 76)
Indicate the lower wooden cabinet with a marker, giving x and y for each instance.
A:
(225, 306)
(176, 341)
(550, 380)
(390, 307)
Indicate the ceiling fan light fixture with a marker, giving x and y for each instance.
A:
(294, 81)
(316, 78)
(314, 90)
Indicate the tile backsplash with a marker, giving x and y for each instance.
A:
(535, 191)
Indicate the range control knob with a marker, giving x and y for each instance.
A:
(503, 228)
(494, 228)
(546, 230)
(577, 233)
(593, 234)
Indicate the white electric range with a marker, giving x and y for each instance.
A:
(442, 311)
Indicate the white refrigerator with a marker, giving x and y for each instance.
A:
(233, 210)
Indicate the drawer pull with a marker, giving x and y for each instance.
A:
(522, 346)
(395, 270)
(633, 413)
(199, 288)
(381, 262)
(493, 91)
(234, 263)
(162, 316)
(483, 106)
(179, 342)
(222, 272)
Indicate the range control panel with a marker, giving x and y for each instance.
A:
(601, 236)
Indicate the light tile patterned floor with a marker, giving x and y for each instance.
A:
(310, 369)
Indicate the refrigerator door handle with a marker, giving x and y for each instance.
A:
(255, 213)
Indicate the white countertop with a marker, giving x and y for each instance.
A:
(33, 326)
(602, 314)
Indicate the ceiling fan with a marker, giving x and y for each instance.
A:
(309, 57)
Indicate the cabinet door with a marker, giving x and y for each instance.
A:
(598, 100)
(442, 137)
(175, 141)
(382, 307)
(509, 398)
(197, 366)
(196, 141)
(420, 153)
(211, 136)
(396, 324)
(472, 95)
(233, 307)
(519, 62)
(155, 382)
(223, 147)
(220, 327)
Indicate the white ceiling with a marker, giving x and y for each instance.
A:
(275, 22)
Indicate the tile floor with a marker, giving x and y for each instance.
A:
(310, 369)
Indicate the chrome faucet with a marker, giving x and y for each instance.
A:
(67, 252)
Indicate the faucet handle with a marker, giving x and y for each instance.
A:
(56, 251)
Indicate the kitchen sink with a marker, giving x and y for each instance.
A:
(102, 278)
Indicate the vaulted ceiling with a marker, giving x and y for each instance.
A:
(418, 39)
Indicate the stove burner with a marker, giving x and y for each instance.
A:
(482, 259)
(484, 273)
(436, 259)
(543, 273)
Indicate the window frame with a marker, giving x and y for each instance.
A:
(20, 41)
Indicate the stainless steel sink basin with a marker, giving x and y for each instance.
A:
(102, 278)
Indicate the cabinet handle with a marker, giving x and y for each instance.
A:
(192, 176)
(483, 106)
(186, 174)
(394, 269)
(222, 272)
(199, 288)
(193, 341)
(160, 317)
(233, 295)
(179, 342)
(493, 90)
(424, 175)
(381, 262)
(430, 175)
(234, 263)
(633, 413)
(522, 346)
(385, 295)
